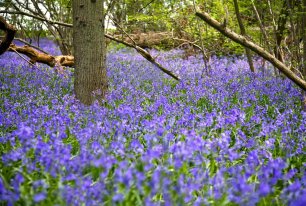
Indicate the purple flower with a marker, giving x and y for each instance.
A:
(39, 197)
(24, 132)
(118, 197)
(264, 189)
(299, 201)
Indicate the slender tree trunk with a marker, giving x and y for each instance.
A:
(90, 82)
(304, 50)
(262, 28)
(281, 26)
(243, 33)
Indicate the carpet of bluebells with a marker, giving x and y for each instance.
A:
(229, 137)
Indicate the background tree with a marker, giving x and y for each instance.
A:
(243, 32)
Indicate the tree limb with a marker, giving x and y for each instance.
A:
(254, 47)
(36, 17)
(36, 56)
(261, 26)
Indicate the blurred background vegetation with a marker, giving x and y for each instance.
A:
(167, 24)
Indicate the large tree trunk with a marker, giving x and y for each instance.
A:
(90, 82)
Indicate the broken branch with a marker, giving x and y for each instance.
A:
(254, 47)
(146, 55)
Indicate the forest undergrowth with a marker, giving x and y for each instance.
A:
(228, 137)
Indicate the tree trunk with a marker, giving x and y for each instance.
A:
(304, 50)
(281, 26)
(243, 33)
(90, 82)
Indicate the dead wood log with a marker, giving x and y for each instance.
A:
(39, 57)
(34, 55)
(149, 39)
(254, 47)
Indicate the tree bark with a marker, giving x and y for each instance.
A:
(9, 35)
(243, 33)
(281, 26)
(254, 47)
(90, 82)
(304, 50)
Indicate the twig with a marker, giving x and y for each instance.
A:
(23, 57)
(123, 30)
(146, 55)
(145, 6)
(36, 17)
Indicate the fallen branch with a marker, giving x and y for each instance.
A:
(254, 47)
(39, 57)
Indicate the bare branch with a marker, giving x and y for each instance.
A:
(145, 54)
(145, 6)
(36, 17)
(123, 30)
(22, 57)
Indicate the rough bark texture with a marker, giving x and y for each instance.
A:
(254, 47)
(9, 35)
(243, 32)
(90, 82)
